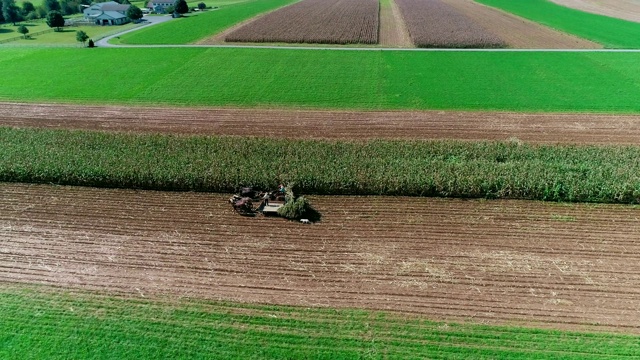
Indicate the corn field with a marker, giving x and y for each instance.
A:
(315, 21)
(414, 168)
(434, 24)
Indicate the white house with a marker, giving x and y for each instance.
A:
(107, 13)
(159, 6)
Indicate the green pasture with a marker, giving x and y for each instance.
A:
(68, 35)
(607, 174)
(513, 81)
(196, 26)
(611, 32)
(40, 323)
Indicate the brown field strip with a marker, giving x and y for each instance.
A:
(315, 21)
(518, 32)
(393, 30)
(622, 9)
(543, 264)
(539, 128)
(436, 24)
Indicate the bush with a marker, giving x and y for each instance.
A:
(294, 208)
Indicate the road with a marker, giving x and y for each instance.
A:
(151, 20)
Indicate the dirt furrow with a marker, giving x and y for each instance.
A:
(539, 128)
(547, 264)
(622, 9)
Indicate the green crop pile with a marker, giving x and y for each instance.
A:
(40, 323)
(540, 81)
(415, 168)
(611, 32)
(195, 27)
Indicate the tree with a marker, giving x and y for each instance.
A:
(10, 11)
(134, 13)
(91, 44)
(51, 5)
(23, 30)
(181, 7)
(27, 7)
(55, 20)
(169, 9)
(202, 6)
(81, 36)
(69, 7)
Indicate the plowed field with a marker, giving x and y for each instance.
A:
(622, 9)
(547, 264)
(542, 128)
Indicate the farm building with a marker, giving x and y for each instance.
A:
(107, 13)
(159, 6)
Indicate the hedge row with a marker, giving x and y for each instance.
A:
(413, 168)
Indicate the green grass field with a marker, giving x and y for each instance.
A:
(41, 323)
(201, 25)
(415, 168)
(574, 82)
(611, 32)
(68, 35)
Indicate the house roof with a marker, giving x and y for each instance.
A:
(165, 2)
(111, 6)
(108, 15)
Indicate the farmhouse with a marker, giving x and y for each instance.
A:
(107, 13)
(159, 6)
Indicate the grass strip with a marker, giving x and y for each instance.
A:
(608, 174)
(609, 31)
(192, 28)
(559, 82)
(42, 323)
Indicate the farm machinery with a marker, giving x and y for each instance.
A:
(280, 202)
(249, 202)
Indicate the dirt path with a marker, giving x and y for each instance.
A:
(542, 264)
(518, 32)
(539, 128)
(622, 9)
(393, 30)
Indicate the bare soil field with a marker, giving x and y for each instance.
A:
(393, 30)
(622, 9)
(538, 128)
(522, 262)
(517, 32)
(315, 21)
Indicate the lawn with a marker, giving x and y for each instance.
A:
(414, 168)
(196, 26)
(611, 32)
(582, 82)
(41, 323)
(68, 35)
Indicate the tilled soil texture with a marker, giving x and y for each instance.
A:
(517, 32)
(539, 128)
(622, 9)
(542, 264)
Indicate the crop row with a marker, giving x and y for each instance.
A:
(414, 168)
(434, 24)
(315, 21)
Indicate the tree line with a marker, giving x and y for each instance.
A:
(10, 12)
